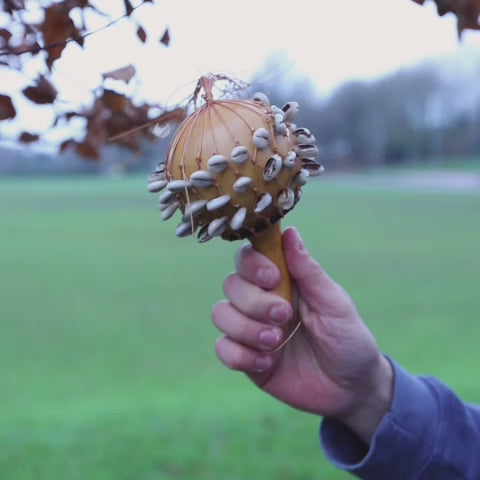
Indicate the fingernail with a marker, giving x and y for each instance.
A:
(269, 338)
(265, 276)
(279, 314)
(262, 363)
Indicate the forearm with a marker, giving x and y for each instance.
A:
(428, 433)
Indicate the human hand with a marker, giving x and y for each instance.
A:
(331, 367)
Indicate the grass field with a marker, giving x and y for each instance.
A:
(107, 363)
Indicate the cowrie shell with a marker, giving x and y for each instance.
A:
(260, 98)
(157, 186)
(170, 210)
(164, 206)
(291, 110)
(313, 167)
(183, 229)
(286, 199)
(301, 177)
(306, 150)
(240, 154)
(272, 168)
(178, 185)
(289, 160)
(261, 138)
(202, 179)
(238, 219)
(242, 184)
(218, 202)
(263, 203)
(217, 163)
(193, 209)
(217, 226)
(166, 196)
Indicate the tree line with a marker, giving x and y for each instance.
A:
(416, 114)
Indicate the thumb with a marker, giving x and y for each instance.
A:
(313, 284)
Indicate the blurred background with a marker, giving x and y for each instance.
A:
(106, 344)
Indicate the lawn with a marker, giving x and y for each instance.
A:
(106, 345)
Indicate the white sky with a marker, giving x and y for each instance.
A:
(329, 41)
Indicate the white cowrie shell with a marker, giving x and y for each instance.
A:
(240, 154)
(278, 111)
(217, 226)
(261, 138)
(156, 177)
(218, 202)
(155, 187)
(166, 196)
(260, 98)
(203, 235)
(164, 206)
(286, 199)
(160, 167)
(289, 160)
(306, 150)
(193, 209)
(303, 135)
(313, 167)
(202, 179)
(237, 220)
(178, 185)
(170, 210)
(280, 127)
(184, 229)
(272, 168)
(263, 203)
(291, 110)
(217, 163)
(301, 177)
(242, 184)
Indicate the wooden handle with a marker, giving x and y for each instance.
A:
(270, 244)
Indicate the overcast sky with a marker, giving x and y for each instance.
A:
(329, 41)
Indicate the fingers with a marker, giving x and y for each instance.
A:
(256, 268)
(244, 330)
(318, 290)
(240, 357)
(256, 303)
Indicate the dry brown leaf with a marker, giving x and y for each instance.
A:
(27, 137)
(467, 12)
(165, 38)
(7, 110)
(42, 93)
(124, 73)
(128, 7)
(57, 28)
(141, 34)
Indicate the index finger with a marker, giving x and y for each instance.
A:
(256, 268)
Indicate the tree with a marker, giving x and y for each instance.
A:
(111, 116)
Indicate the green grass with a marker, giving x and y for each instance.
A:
(106, 344)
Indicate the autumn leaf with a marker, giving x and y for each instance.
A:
(57, 29)
(165, 38)
(467, 12)
(42, 93)
(141, 34)
(26, 137)
(128, 7)
(7, 110)
(125, 73)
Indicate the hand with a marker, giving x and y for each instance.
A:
(331, 367)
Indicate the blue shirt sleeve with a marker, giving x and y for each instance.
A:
(428, 434)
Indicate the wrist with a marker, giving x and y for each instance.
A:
(372, 405)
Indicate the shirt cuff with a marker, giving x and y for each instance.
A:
(411, 427)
